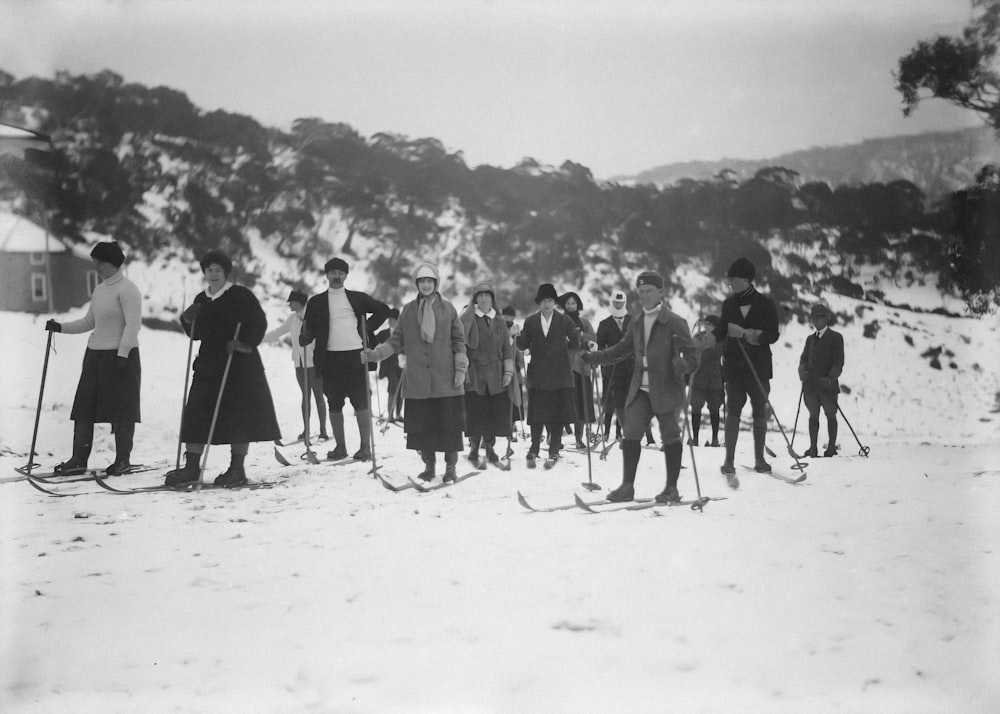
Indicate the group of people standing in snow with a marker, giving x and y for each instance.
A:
(460, 375)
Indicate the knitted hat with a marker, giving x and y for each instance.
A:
(566, 296)
(546, 291)
(741, 268)
(335, 264)
(509, 311)
(216, 257)
(298, 296)
(618, 296)
(819, 309)
(108, 253)
(649, 278)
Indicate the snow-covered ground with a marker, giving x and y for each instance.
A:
(871, 587)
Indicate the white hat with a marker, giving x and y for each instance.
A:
(618, 296)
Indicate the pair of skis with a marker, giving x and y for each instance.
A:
(604, 505)
(424, 486)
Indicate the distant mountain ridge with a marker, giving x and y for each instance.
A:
(937, 162)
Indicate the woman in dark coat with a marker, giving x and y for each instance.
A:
(246, 412)
(491, 368)
(430, 335)
(549, 336)
(583, 385)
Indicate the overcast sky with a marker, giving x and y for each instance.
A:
(617, 86)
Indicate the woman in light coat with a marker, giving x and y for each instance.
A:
(431, 335)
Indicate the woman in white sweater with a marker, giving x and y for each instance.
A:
(108, 391)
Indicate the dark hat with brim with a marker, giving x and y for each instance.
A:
(335, 264)
(109, 252)
(298, 296)
(216, 257)
(819, 309)
(546, 291)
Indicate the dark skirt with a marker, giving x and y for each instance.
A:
(103, 395)
(246, 412)
(435, 424)
(551, 406)
(487, 414)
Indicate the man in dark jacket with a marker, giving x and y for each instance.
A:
(820, 366)
(334, 320)
(660, 344)
(749, 326)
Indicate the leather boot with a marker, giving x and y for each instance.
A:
(430, 459)
(124, 436)
(759, 437)
(831, 430)
(235, 475)
(188, 473)
(673, 455)
(83, 439)
(631, 450)
(337, 432)
(450, 460)
(365, 430)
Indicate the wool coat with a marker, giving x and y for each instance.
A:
(608, 334)
(430, 366)
(763, 316)
(550, 366)
(489, 351)
(668, 338)
(246, 413)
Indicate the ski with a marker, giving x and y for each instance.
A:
(565, 507)
(638, 504)
(780, 477)
(424, 488)
(90, 475)
(293, 442)
(38, 485)
(393, 487)
(189, 487)
(607, 449)
(589, 507)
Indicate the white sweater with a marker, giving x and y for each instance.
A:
(114, 315)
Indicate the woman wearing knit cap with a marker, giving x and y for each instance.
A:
(491, 368)
(108, 391)
(431, 335)
(308, 378)
(246, 412)
(664, 353)
(334, 319)
(549, 336)
(748, 320)
(583, 386)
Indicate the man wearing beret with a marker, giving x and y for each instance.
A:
(749, 321)
(334, 320)
(664, 353)
(820, 366)
(108, 391)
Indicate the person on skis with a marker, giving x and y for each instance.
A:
(820, 366)
(660, 343)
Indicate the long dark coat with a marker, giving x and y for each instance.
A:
(822, 357)
(550, 366)
(617, 377)
(247, 412)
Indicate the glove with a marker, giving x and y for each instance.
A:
(515, 330)
(505, 379)
(402, 361)
(508, 373)
(121, 365)
(53, 326)
(237, 346)
(191, 314)
(680, 366)
(825, 383)
(588, 358)
(735, 330)
(368, 356)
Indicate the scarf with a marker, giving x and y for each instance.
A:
(575, 317)
(619, 312)
(425, 316)
(746, 297)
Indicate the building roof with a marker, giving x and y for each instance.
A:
(20, 235)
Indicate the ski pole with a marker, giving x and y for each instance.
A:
(590, 485)
(604, 410)
(26, 469)
(184, 397)
(795, 427)
(799, 465)
(310, 455)
(862, 449)
(215, 414)
(699, 504)
(368, 398)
